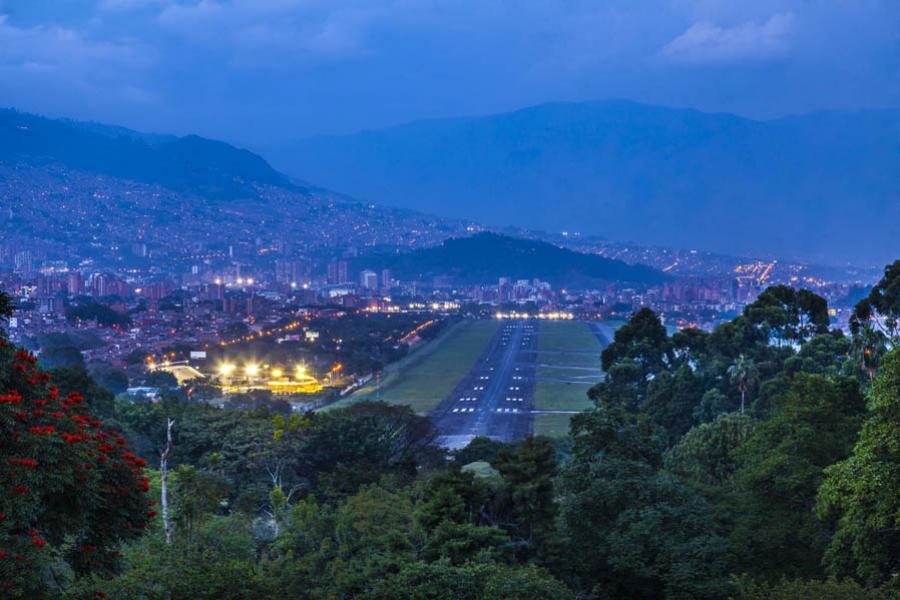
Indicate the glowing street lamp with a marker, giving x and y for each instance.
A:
(300, 371)
(277, 373)
(251, 370)
(226, 369)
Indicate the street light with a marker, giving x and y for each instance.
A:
(226, 369)
(252, 370)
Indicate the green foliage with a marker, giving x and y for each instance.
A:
(881, 309)
(524, 502)
(110, 378)
(800, 589)
(641, 348)
(631, 531)
(671, 401)
(101, 313)
(62, 357)
(482, 580)
(863, 491)
(160, 379)
(75, 379)
(780, 468)
(706, 454)
(219, 563)
(788, 315)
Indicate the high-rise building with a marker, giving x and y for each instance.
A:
(24, 262)
(337, 272)
(387, 279)
(74, 283)
(289, 271)
(368, 279)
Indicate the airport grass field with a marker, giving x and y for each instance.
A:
(568, 364)
(430, 374)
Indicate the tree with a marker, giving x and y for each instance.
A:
(524, 505)
(6, 311)
(779, 470)
(706, 454)
(110, 378)
(880, 310)
(220, 563)
(863, 493)
(341, 450)
(632, 531)
(789, 315)
(476, 580)
(75, 379)
(745, 374)
(61, 357)
(69, 487)
(671, 401)
(160, 379)
(641, 348)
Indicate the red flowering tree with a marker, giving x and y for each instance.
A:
(70, 489)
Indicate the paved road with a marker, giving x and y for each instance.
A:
(497, 396)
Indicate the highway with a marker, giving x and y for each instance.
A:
(496, 398)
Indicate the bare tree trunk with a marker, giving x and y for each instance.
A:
(164, 478)
(743, 393)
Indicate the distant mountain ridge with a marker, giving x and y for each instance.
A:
(188, 164)
(485, 257)
(824, 186)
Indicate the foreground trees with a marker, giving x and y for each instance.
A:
(71, 491)
(863, 491)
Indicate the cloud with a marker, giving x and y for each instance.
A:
(256, 31)
(54, 46)
(706, 42)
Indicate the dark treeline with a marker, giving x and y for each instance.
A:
(761, 460)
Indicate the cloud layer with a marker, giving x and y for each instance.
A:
(263, 71)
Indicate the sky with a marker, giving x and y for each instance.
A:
(262, 72)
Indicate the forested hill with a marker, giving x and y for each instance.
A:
(189, 164)
(647, 174)
(485, 257)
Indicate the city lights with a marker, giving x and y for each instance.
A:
(226, 369)
(252, 370)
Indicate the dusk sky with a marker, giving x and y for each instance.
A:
(257, 72)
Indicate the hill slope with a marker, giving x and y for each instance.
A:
(793, 187)
(485, 257)
(188, 164)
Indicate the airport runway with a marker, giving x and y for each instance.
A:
(496, 398)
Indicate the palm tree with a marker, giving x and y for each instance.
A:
(744, 373)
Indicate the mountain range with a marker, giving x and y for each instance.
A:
(823, 186)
